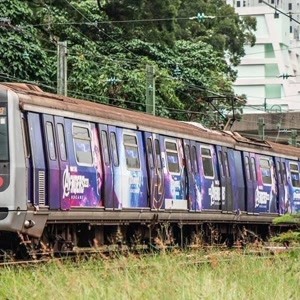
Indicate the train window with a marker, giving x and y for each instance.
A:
(195, 159)
(172, 157)
(220, 154)
(3, 135)
(247, 167)
(265, 168)
(82, 144)
(279, 172)
(283, 168)
(207, 162)
(131, 151)
(253, 169)
(50, 140)
(105, 147)
(61, 141)
(114, 148)
(150, 153)
(226, 165)
(158, 154)
(295, 174)
(188, 157)
(26, 137)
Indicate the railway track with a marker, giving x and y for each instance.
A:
(208, 254)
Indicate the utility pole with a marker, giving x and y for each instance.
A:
(150, 90)
(62, 68)
(293, 140)
(261, 128)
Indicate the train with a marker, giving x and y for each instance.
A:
(76, 174)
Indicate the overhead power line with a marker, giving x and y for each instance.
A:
(282, 12)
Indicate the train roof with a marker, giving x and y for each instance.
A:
(33, 98)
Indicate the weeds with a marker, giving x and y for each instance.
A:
(166, 276)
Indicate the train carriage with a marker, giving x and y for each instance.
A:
(75, 170)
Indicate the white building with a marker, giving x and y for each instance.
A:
(261, 74)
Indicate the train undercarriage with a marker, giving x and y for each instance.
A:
(61, 238)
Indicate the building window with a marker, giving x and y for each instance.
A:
(238, 3)
(273, 91)
(269, 51)
(290, 6)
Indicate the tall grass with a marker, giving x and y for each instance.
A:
(167, 276)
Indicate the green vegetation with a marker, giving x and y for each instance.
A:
(292, 236)
(287, 238)
(110, 43)
(178, 276)
(287, 219)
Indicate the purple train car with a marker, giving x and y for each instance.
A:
(76, 173)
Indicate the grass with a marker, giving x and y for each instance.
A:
(216, 276)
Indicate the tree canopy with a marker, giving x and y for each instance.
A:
(111, 42)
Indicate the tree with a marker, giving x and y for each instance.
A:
(21, 51)
(107, 59)
(150, 21)
(226, 32)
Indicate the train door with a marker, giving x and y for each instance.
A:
(174, 173)
(294, 186)
(265, 193)
(130, 177)
(237, 179)
(210, 183)
(282, 186)
(250, 175)
(81, 184)
(193, 176)
(226, 182)
(28, 160)
(51, 156)
(38, 162)
(62, 155)
(154, 171)
(109, 159)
